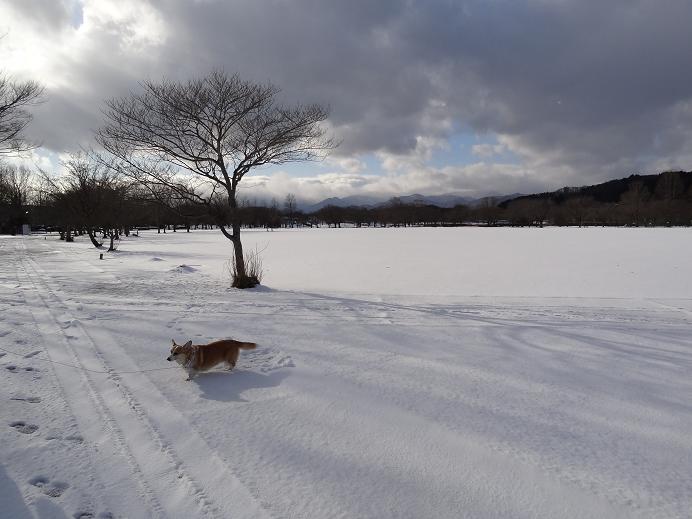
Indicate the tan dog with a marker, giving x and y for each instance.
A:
(202, 357)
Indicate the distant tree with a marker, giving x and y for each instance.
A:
(487, 211)
(577, 209)
(668, 207)
(458, 214)
(686, 213)
(273, 215)
(331, 215)
(89, 197)
(215, 129)
(633, 203)
(669, 186)
(15, 190)
(15, 98)
(290, 207)
(517, 213)
(396, 212)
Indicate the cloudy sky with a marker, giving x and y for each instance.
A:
(452, 96)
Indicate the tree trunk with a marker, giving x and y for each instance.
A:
(241, 279)
(238, 255)
(93, 239)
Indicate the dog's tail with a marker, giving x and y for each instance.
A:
(247, 346)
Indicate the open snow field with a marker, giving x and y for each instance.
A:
(400, 373)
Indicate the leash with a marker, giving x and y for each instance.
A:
(80, 368)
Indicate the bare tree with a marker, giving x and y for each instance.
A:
(634, 201)
(577, 209)
(15, 97)
(91, 196)
(290, 207)
(669, 186)
(201, 137)
(15, 190)
(667, 204)
(487, 211)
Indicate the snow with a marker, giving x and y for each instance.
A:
(466, 372)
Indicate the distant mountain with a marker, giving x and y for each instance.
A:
(496, 199)
(438, 200)
(611, 191)
(445, 201)
(347, 201)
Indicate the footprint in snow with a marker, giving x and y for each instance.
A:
(90, 515)
(184, 269)
(55, 435)
(32, 354)
(11, 368)
(265, 360)
(29, 399)
(69, 323)
(20, 341)
(29, 368)
(48, 487)
(4, 332)
(2, 354)
(23, 427)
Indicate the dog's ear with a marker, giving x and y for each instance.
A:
(173, 341)
(188, 344)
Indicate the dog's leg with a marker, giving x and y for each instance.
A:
(191, 373)
(232, 358)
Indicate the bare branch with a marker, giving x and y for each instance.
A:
(15, 98)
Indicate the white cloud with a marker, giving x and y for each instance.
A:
(478, 179)
(110, 32)
(36, 159)
(487, 150)
(348, 164)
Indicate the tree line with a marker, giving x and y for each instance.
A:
(92, 198)
(639, 200)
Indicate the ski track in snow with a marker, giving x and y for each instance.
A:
(352, 405)
(109, 412)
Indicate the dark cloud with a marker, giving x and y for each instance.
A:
(590, 78)
(49, 15)
(580, 89)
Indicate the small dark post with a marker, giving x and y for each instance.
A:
(101, 256)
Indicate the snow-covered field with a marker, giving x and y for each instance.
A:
(400, 373)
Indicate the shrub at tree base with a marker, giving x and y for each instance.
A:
(253, 270)
(246, 282)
